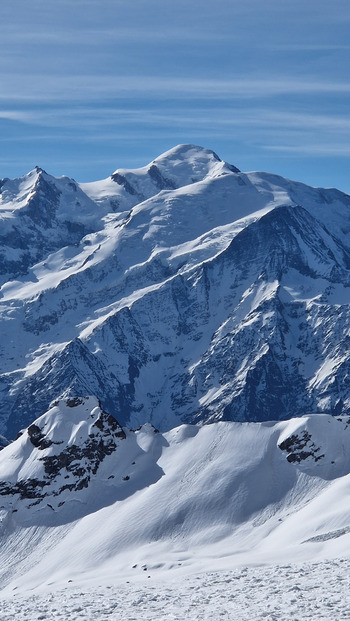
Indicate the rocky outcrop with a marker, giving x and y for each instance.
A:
(300, 447)
(66, 465)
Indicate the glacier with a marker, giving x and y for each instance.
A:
(185, 291)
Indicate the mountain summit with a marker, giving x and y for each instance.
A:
(183, 291)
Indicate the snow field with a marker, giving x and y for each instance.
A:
(291, 592)
(196, 498)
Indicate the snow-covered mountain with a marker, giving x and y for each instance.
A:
(83, 499)
(184, 291)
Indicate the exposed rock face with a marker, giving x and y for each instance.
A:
(300, 447)
(317, 444)
(66, 463)
(3, 442)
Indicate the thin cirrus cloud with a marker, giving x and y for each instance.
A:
(75, 88)
(310, 47)
(196, 117)
(101, 122)
(94, 37)
(14, 115)
(319, 150)
(275, 131)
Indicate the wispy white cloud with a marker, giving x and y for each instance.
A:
(272, 130)
(318, 149)
(304, 121)
(310, 47)
(15, 115)
(53, 88)
(158, 115)
(94, 37)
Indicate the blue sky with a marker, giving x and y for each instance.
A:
(87, 86)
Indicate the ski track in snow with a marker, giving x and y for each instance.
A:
(293, 592)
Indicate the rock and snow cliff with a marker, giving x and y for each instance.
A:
(184, 291)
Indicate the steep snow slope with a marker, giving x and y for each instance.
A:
(184, 291)
(82, 498)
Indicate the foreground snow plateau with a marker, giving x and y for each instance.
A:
(288, 592)
(83, 499)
